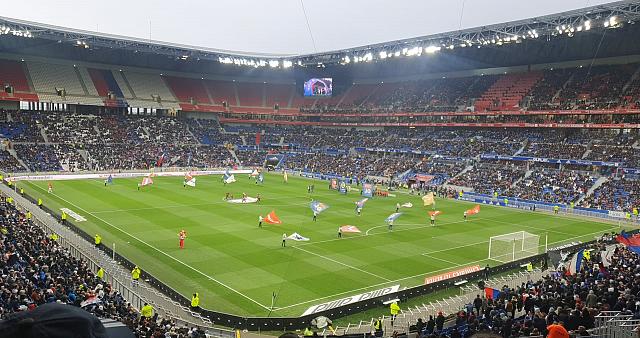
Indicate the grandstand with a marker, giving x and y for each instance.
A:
(527, 141)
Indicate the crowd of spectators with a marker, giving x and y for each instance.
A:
(488, 178)
(36, 270)
(555, 150)
(553, 186)
(621, 194)
(559, 302)
(38, 157)
(9, 163)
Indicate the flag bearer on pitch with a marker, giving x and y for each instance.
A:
(181, 236)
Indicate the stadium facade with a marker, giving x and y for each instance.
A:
(572, 76)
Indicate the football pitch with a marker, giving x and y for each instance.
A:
(237, 267)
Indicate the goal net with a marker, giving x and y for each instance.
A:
(513, 246)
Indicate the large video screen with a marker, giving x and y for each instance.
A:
(318, 87)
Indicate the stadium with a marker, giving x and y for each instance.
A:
(480, 180)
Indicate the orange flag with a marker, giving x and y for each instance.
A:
(272, 218)
(474, 210)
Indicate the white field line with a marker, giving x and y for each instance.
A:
(439, 259)
(162, 252)
(191, 205)
(417, 275)
(419, 226)
(341, 263)
(536, 228)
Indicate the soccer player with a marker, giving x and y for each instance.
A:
(105, 182)
(260, 219)
(258, 198)
(433, 220)
(315, 216)
(390, 224)
(50, 190)
(359, 210)
(465, 215)
(181, 236)
(339, 232)
(138, 186)
(244, 197)
(397, 207)
(284, 240)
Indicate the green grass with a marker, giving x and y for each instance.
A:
(235, 266)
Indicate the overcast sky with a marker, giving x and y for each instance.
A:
(279, 26)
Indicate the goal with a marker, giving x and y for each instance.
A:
(513, 246)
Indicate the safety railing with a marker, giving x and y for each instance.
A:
(115, 274)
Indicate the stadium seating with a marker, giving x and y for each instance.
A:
(105, 84)
(506, 92)
(188, 89)
(37, 270)
(222, 91)
(12, 73)
(250, 94)
(47, 77)
(146, 86)
(276, 93)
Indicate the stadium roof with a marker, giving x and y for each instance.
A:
(570, 23)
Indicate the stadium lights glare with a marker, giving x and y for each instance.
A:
(587, 25)
(287, 64)
(432, 49)
(274, 63)
(383, 55)
(368, 57)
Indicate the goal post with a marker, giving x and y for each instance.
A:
(511, 247)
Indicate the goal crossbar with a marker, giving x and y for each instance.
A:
(513, 246)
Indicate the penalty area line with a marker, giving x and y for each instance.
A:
(341, 263)
(161, 251)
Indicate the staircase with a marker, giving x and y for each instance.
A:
(15, 155)
(43, 133)
(524, 146)
(408, 316)
(234, 155)
(507, 92)
(460, 173)
(526, 175)
(600, 181)
(633, 77)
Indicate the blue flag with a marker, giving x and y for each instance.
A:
(318, 207)
(393, 217)
(360, 203)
